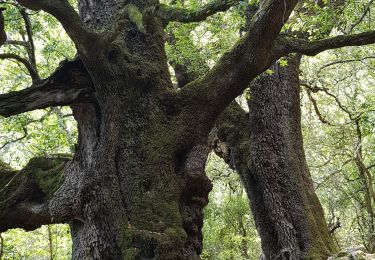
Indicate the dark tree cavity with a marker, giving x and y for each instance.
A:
(136, 186)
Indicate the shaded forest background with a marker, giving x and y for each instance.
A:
(338, 117)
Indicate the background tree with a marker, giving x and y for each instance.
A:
(348, 132)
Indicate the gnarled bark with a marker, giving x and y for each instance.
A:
(267, 151)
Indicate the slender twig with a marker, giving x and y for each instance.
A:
(338, 102)
(343, 61)
(50, 242)
(25, 133)
(367, 10)
(30, 40)
(316, 108)
(14, 42)
(330, 175)
(33, 74)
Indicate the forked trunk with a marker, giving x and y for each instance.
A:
(142, 181)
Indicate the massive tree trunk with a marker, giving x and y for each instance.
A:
(266, 149)
(142, 181)
(136, 186)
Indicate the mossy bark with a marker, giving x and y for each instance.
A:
(266, 148)
(142, 179)
(136, 186)
(139, 164)
(25, 194)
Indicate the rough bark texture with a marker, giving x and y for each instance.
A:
(142, 183)
(271, 161)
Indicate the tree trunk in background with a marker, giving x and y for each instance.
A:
(266, 149)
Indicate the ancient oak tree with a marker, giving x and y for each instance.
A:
(135, 187)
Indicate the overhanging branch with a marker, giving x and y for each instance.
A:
(69, 84)
(67, 16)
(171, 14)
(289, 45)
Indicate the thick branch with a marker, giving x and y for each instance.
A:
(187, 16)
(25, 195)
(69, 84)
(67, 16)
(30, 68)
(250, 56)
(311, 48)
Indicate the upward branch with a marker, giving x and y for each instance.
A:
(187, 16)
(30, 40)
(253, 54)
(249, 57)
(67, 16)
